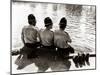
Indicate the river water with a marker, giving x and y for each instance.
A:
(81, 22)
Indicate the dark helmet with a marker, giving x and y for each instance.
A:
(63, 22)
(48, 21)
(31, 19)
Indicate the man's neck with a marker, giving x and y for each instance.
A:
(61, 29)
(47, 29)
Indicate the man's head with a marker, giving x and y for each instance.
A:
(63, 23)
(48, 22)
(31, 19)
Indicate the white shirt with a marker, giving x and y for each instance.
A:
(46, 37)
(29, 34)
(61, 39)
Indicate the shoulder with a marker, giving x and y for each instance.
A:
(41, 30)
(51, 31)
(56, 31)
(67, 33)
(36, 28)
(25, 27)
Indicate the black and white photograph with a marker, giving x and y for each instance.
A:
(52, 37)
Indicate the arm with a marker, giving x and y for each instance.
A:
(22, 37)
(68, 38)
(38, 34)
(38, 37)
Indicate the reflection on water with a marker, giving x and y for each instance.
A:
(81, 21)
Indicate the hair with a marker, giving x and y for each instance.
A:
(31, 19)
(47, 21)
(63, 23)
